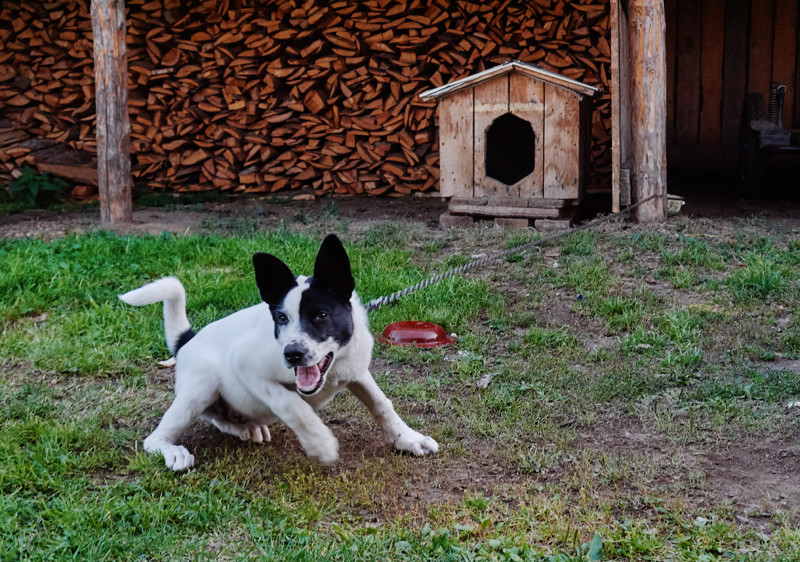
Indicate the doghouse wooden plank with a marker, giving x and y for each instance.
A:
(687, 103)
(711, 64)
(533, 71)
(785, 53)
(561, 143)
(539, 203)
(456, 145)
(491, 101)
(526, 99)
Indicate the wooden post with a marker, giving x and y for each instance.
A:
(111, 102)
(621, 141)
(616, 157)
(649, 105)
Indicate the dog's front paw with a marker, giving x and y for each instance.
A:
(176, 457)
(415, 443)
(323, 450)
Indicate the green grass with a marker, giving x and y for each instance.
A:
(615, 363)
(762, 279)
(75, 280)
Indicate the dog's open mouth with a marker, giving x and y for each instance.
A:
(310, 379)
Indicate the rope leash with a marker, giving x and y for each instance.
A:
(375, 304)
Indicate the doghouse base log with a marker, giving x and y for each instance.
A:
(548, 225)
(449, 220)
(504, 211)
(504, 222)
(533, 202)
(460, 221)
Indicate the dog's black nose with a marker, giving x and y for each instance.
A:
(294, 354)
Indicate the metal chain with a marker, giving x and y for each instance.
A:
(375, 304)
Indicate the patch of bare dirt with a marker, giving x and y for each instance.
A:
(189, 219)
(48, 225)
(44, 224)
(757, 474)
(782, 364)
(401, 484)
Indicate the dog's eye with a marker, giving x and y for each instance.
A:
(321, 316)
(282, 318)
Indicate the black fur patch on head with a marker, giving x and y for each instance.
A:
(332, 269)
(323, 315)
(273, 277)
(274, 280)
(325, 310)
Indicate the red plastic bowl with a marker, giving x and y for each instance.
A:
(413, 332)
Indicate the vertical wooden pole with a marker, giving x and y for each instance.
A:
(649, 105)
(616, 157)
(111, 102)
(621, 143)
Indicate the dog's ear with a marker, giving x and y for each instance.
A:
(332, 268)
(273, 277)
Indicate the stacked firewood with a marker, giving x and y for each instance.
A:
(259, 96)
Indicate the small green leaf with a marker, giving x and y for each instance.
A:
(595, 546)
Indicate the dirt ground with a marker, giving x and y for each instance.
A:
(188, 219)
(754, 475)
(715, 195)
(706, 197)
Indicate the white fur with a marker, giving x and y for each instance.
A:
(169, 291)
(237, 358)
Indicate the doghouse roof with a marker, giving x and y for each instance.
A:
(530, 70)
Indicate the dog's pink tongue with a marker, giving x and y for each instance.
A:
(307, 378)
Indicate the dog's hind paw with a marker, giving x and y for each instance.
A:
(255, 433)
(415, 443)
(247, 431)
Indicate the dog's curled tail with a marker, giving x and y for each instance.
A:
(168, 290)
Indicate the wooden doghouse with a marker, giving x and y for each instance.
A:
(514, 144)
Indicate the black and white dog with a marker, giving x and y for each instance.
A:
(278, 360)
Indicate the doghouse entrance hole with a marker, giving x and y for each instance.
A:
(510, 148)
